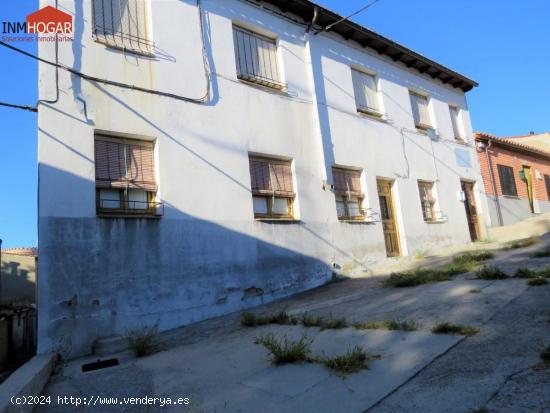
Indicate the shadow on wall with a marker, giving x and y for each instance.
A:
(100, 277)
(18, 279)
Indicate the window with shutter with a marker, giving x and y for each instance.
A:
(547, 182)
(256, 58)
(507, 180)
(420, 110)
(272, 188)
(349, 196)
(123, 24)
(124, 176)
(366, 93)
(427, 200)
(455, 119)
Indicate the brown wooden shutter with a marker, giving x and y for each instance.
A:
(121, 163)
(347, 181)
(271, 177)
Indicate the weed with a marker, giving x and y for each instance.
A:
(480, 410)
(142, 342)
(311, 321)
(421, 254)
(535, 282)
(417, 277)
(485, 241)
(282, 317)
(541, 254)
(285, 351)
(490, 272)
(334, 324)
(474, 291)
(448, 328)
(355, 360)
(387, 325)
(531, 273)
(521, 243)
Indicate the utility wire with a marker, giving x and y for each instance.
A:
(362, 9)
(200, 100)
(24, 107)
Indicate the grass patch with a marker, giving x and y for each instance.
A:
(311, 321)
(480, 410)
(355, 360)
(387, 325)
(282, 317)
(334, 324)
(417, 277)
(523, 243)
(531, 273)
(448, 328)
(541, 254)
(536, 282)
(490, 272)
(475, 291)
(286, 351)
(142, 342)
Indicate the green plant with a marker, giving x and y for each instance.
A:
(334, 324)
(311, 321)
(531, 273)
(521, 243)
(476, 256)
(368, 325)
(282, 317)
(143, 341)
(400, 325)
(485, 241)
(541, 254)
(355, 360)
(535, 282)
(448, 328)
(285, 351)
(480, 410)
(417, 277)
(490, 272)
(251, 320)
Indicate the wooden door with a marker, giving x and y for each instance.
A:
(471, 209)
(387, 214)
(529, 183)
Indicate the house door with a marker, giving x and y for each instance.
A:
(471, 209)
(387, 213)
(529, 182)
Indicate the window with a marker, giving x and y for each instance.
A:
(547, 182)
(124, 176)
(366, 93)
(123, 24)
(427, 200)
(349, 197)
(507, 180)
(455, 119)
(272, 188)
(256, 57)
(420, 110)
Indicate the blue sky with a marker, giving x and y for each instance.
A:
(502, 44)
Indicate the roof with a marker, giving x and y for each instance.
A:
(513, 145)
(349, 30)
(25, 251)
(539, 141)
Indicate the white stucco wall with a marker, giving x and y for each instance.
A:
(207, 255)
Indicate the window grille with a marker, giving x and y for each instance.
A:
(507, 180)
(427, 200)
(272, 187)
(256, 58)
(349, 197)
(123, 24)
(421, 112)
(366, 93)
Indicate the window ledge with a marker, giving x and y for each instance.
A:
(127, 216)
(357, 221)
(437, 221)
(278, 220)
(372, 116)
(511, 196)
(257, 85)
(111, 45)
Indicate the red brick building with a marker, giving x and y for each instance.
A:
(516, 178)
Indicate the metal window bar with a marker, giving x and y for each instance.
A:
(118, 23)
(128, 207)
(256, 58)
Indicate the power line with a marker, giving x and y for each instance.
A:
(24, 107)
(362, 9)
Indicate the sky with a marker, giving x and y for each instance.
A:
(502, 44)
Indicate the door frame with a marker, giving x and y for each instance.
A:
(396, 222)
(478, 223)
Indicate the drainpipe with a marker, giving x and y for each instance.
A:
(493, 184)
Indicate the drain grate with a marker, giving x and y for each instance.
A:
(100, 364)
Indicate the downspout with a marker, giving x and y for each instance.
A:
(493, 184)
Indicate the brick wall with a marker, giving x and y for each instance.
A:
(516, 160)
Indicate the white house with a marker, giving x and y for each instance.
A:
(201, 158)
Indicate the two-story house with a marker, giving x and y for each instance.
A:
(204, 157)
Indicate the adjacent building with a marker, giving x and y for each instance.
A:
(516, 175)
(205, 157)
